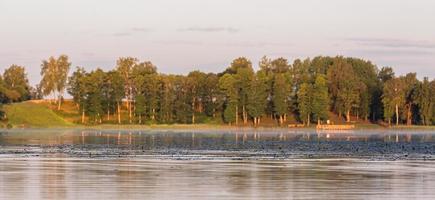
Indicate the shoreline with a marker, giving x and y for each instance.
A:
(212, 127)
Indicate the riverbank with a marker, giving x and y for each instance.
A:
(35, 114)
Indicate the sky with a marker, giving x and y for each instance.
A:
(179, 36)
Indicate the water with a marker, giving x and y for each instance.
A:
(186, 165)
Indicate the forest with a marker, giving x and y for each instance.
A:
(305, 91)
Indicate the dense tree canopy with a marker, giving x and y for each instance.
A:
(309, 90)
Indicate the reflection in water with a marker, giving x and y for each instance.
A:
(60, 176)
(197, 138)
(67, 178)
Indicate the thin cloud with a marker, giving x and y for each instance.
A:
(143, 30)
(179, 42)
(259, 44)
(209, 29)
(390, 53)
(121, 34)
(393, 43)
(131, 32)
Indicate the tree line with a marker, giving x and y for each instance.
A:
(307, 91)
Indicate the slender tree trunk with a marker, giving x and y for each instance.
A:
(108, 115)
(259, 120)
(308, 121)
(357, 115)
(59, 103)
(193, 110)
(237, 115)
(153, 114)
(409, 116)
(348, 115)
(140, 119)
(83, 116)
(119, 112)
(318, 121)
(397, 115)
(129, 113)
(285, 117)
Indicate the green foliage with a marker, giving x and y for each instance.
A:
(320, 100)
(424, 98)
(393, 97)
(54, 75)
(227, 83)
(257, 96)
(305, 102)
(279, 94)
(15, 79)
(307, 89)
(345, 86)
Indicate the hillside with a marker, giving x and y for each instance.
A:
(33, 114)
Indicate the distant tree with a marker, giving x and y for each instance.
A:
(305, 102)
(344, 86)
(320, 100)
(257, 97)
(94, 100)
(54, 76)
(140, 106)
(280, 65)
(76, 88)
(15, 79)
(432, 91)
(410, 83)
(425, 101)
(393, 97)
(279, 96)
(113, 92)
(195, 84)
(210, 94)
(385, 74)
(125, 66)
(227, 83)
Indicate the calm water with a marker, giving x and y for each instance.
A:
(145, 176)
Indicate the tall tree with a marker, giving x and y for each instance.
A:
(195, 84)
(113, 92)
(125, 65)
(76, 88)
(54, 74)
(305, 102)
(320, 100)
(393, 97)
(242, 70)
(425, 101)
(15, 78)
(345, 87)
(227, 83)
(410, 83)
(279, 96)
(257, 97)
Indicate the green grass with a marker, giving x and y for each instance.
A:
(29, 114)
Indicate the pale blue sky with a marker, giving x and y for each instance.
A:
(182, 35)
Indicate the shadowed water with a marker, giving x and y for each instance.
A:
(35, 165)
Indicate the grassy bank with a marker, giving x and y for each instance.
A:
(42, 114)
(29, 114)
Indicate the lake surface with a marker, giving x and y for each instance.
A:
(245, 164)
